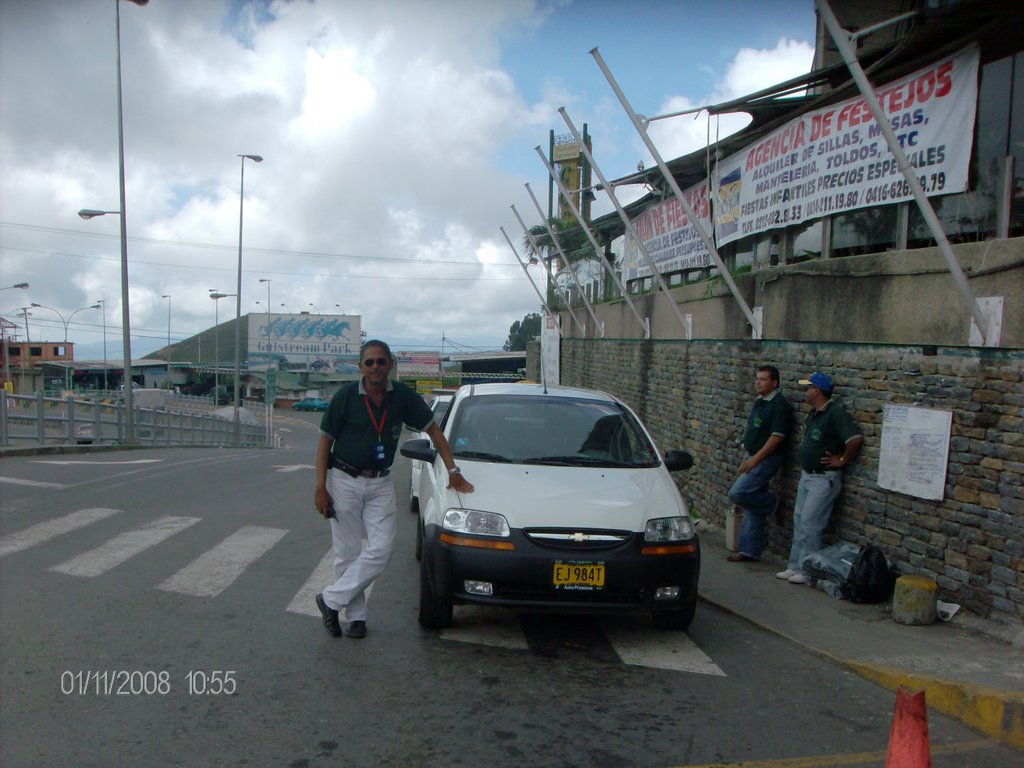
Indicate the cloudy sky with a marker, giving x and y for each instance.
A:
(395, 136)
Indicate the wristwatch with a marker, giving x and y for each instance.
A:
(454, 471)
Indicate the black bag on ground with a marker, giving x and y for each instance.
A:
(871, 579)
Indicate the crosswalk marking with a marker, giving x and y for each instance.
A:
(31, 483)
(51, 529)
(635, 644)
(303, 602)
(660, 649)
(501, 629)
(215, 570)
(125, 546)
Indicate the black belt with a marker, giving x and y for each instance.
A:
(348, 469)
(820, 471)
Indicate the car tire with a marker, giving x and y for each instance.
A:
(419, 540)
(678, 619)
(435, 611)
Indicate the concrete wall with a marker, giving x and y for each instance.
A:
(899, 297)
(891, 328)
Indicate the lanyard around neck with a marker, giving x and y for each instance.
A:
(383, 418)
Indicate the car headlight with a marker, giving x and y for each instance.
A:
(669, 529)
(473, 521)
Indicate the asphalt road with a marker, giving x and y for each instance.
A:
(157, 610)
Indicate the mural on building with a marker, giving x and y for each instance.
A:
(321, 343)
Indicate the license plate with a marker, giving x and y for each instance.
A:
(572, 575)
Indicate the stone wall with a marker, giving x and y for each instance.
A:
(696, 395)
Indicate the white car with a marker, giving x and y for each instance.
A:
(574, 509)
(439, 405)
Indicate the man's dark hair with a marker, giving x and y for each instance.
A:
(771, 370)
(375, 343)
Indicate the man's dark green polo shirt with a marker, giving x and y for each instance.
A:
(348, 422)
(770, 415)
(829, 429)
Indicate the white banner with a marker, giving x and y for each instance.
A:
(671, 239)
(550, 348)
(836, 159)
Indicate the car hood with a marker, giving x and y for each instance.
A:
(533, 496)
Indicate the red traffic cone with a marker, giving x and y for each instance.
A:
(908, 738)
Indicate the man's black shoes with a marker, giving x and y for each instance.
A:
(331, 623)
(356, 629)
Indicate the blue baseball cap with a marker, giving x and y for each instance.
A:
(819, 380)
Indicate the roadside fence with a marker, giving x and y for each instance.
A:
(181, 420)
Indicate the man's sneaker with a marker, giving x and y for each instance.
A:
(785, 574)
(798, 578)
(356, 629)
(331, 623)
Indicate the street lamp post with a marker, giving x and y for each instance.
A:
(216, 296)
(168, 297)
(7, 365)
(238, 295)
(67, 322)
(268, 281)
(126, 331)
(103, 306)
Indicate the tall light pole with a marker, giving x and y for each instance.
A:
(168, 297)
(7, 365)
(126, 331)
(216, 296)
(67, 322)
(238, 295)
(103, 305)
(268, 281)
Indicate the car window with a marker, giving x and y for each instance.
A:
(551, 430)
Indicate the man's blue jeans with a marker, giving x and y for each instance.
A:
(750, 491)
(815, 497)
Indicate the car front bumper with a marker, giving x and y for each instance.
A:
(524, 575)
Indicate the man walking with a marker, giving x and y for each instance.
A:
(768, 427)
(831, 441)
(359, 436)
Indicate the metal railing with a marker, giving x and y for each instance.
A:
(40, 420)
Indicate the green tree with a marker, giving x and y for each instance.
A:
(523, 331)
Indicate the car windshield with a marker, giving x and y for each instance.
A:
(549, 430)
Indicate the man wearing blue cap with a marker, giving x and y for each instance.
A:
(831, 441)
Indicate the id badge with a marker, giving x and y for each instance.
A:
(378, 452)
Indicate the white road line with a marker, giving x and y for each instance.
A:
(292, 467)
(123, 547)
(304, 601)
(215, 570)
(51, 529)
(31, 483)
(76, 461)
(502, 629)
(659, 648)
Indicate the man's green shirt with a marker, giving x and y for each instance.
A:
(770, 415)
(827, 430)
(348, 422)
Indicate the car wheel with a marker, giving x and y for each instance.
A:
(419, 540)
(679, 619)
(435, 611)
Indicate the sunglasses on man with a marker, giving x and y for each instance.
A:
(370, 362)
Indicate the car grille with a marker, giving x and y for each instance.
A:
(577, 540)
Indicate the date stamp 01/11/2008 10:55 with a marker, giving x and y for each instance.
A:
(122, 682)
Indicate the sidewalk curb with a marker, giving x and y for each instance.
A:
(996, 713)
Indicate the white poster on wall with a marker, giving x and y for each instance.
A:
(550, 349)
(835, 159)
(915, 449)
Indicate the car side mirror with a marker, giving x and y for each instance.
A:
(419, 449)
(676, 461)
